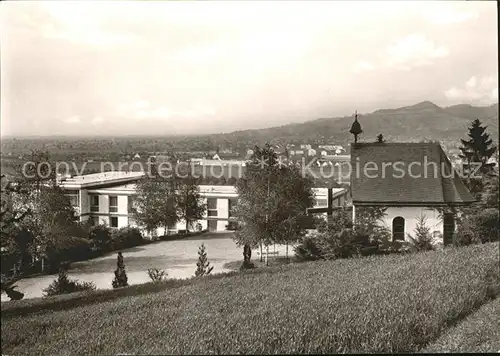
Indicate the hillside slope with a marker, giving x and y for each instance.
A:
(393, 304)
(424, 120)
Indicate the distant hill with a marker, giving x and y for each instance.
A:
(423, 121)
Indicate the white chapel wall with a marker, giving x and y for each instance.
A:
(411, 214)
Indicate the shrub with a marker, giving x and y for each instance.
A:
(157, 275)
(199, 227)
(64, 285)
(337, 244)
(121, 279)
(203, 267)
(482, 226)
(423, 240)
(100, 236)
(467, 233)
(344, 242)
(126, 237)
(67, 249)
(308, 249)
(487, 222)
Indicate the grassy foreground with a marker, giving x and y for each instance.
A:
(384, 304)
(479, 332)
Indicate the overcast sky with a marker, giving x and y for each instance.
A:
(192, 67)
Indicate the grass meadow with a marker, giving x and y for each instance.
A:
(376, 304)
(479, 332)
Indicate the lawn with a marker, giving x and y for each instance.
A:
(377, 304)
(479, 332)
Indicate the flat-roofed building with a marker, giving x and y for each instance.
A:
(107, 198)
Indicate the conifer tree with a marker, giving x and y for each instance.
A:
(423, 238)
(478, 149)
(203, 267)
(121, 279)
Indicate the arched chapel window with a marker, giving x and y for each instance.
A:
(398, 228)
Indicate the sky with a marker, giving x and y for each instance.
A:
(192, 67)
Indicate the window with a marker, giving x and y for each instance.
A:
(212, 207)
(321, 202)
(113, 221)
(73, 199)
(113, 204)
(94, 202)
(398, 229)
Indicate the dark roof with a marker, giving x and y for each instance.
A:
(402, 183)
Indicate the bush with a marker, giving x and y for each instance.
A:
(337, 244)
(126, 237)
(100, 236)
(467, 233)
(481, 227)
(64, 285)
(121, 279)
(67, 249)
(487, 222)
(308, 249)
(344, 243)
(157, 275)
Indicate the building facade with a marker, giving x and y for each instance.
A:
(108, 198)
(408, 180)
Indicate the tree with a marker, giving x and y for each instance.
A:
(9, 215)
(51, 218)
(190, 203)
(380, 138)
(247, 255)
(155, 203)
(121, 279)
(272, 197)
(293, 196)
(478, 148)
(15, 240)
(203, 267)
(490, 194)
(423, 238)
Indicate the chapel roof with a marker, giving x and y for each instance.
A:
(409, 174)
